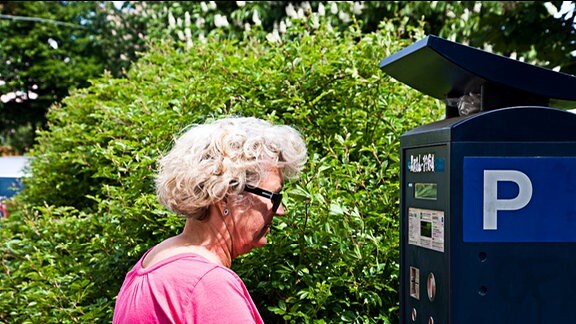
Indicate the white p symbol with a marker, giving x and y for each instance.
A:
(491, 202)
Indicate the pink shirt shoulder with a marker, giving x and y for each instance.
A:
(185, 288)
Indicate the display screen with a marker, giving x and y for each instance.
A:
(426, 229)
(427, 191)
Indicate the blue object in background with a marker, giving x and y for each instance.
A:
(12, 170)
(10, 186)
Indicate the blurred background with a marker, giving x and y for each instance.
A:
(48, 48)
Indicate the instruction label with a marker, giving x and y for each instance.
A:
(426, 228)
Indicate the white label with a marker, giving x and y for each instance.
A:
(426, 228)
(421, 163)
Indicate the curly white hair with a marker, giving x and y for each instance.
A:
(211, 161)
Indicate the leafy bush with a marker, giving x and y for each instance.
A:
(89, 212)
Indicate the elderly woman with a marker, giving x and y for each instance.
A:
(226, 178)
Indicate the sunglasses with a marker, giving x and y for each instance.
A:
(275, 197)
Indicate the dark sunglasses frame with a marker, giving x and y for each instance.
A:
(275, 197)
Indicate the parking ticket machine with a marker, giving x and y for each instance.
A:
(488, 194)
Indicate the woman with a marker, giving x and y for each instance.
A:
(226, 178)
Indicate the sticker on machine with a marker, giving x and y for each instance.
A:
(426, 228)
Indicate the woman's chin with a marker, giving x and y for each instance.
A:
(262, 237)
(261, 242)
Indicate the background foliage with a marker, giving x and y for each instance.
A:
(96, 36)
(41, 61)
(89, 211)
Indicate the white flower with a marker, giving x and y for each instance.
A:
(357, 8)
(187, 19)
(300, 13)
(247, 27)
(273, 37)
(321, 9)
(188, 33)
(240, 3)
(315, 21)
(256, 18)
(465, 15)
(334, 8)
(212, 5)
(202, 38)
(552, 10)
(181, 35)
(477, 7)
(200, 22)
(220, 21)
(203, 6)
(345, 17)
(171, 20)
(290, 12)
(282, 27)
(8, 97)
(32, 95)
(53, 43)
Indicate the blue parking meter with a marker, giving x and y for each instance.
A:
(488, 194)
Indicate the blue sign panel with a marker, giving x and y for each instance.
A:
(519, 199)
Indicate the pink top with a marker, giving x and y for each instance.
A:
(185, 288)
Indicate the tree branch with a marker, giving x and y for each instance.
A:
(36, 19)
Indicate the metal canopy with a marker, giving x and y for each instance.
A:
(444, 69)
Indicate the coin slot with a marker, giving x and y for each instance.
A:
(415, 283)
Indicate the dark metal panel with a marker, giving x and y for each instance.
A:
(440, 68)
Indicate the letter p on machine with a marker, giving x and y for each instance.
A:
(492, 204)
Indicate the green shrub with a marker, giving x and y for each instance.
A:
(89, 212)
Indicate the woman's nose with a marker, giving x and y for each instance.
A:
(281, 211)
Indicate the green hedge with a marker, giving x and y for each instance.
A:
(89, 211)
